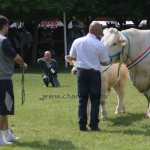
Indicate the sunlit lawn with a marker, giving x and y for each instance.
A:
(52, 123)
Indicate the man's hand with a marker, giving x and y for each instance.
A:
(44, 59)
(24, 66)
(74, 70)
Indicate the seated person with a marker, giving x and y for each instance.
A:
(50, 69)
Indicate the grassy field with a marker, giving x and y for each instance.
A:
(52, 123)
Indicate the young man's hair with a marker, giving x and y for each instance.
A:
(3, 21)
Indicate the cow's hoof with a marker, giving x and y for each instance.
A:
(104, 117)
(147, 115)
(123, 111)
(117, 112)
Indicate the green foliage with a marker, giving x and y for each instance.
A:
(117, 7)
(39, 9)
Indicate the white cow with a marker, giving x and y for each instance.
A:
(134, 46)
(109, 79)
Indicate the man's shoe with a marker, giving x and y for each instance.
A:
(11, 138)
(45, 85)
(4, 142)
(95, 129)
(83, 129)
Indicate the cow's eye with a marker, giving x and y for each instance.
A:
(114, 44)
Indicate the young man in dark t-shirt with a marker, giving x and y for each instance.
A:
(7, 58)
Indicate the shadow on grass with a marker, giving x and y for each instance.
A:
(53, 144)
(126, 119)
(146, 132)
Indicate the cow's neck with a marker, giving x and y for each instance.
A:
(130, 56)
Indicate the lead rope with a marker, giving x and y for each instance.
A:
(106, 68)
(119, 66)
(22, 91)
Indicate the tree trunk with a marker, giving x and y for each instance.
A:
(148, 23)
(136, 21)
(121, 20)
(35, 42)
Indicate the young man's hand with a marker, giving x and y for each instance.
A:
(24, 66)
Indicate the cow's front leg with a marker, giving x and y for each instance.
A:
(119, 90)
(103, 110)
(148, 99)
(104, 87)
(148, 112)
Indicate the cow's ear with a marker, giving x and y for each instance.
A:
(105, 30)
(122, 41)
(67, 57)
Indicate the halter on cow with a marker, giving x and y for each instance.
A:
(122, 50)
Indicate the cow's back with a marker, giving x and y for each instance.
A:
(138, 46)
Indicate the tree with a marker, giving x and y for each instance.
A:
(88, 10)
(36, 10)
(85, 10)
(146, 10)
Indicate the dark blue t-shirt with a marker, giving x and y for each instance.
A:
(8, 49)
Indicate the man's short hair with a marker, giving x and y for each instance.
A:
(3, 21)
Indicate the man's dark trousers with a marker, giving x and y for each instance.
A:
(89, 83)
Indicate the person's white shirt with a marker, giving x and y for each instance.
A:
(89, 52)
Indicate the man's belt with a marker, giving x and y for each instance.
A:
(88, 69)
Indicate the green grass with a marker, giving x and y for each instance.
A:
(52, 123)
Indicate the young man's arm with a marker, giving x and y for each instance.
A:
(9, 51)
(20, 61)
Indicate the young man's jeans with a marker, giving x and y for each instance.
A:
(89, 84)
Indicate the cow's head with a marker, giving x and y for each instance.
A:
(74, 69)
(114, 41)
